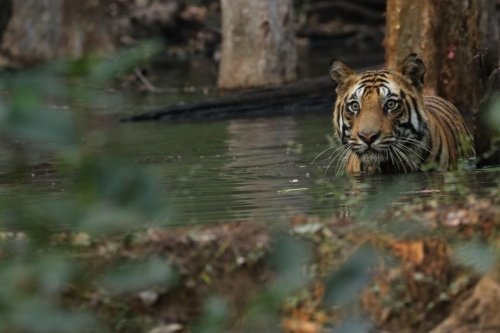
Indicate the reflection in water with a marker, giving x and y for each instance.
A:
(265, 167)
(254, 169)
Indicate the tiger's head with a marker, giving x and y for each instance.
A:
(379, 116)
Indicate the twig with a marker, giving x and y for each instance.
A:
(152, 88)
(149, 86)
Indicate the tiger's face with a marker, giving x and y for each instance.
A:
(379, 116)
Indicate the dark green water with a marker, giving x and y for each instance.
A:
(252, 169)
(261, 169)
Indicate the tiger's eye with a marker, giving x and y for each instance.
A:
(391, 105)
(354, 107)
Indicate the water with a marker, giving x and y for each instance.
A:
(252, 170)
(261, 169)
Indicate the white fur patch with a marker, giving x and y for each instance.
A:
(358, 91)
(383, 92)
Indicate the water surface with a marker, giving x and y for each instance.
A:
(234, 170)
(262, 169)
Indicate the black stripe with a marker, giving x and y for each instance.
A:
(426, 153)
(452, 136)
(382, 80)
(438, 155)
(415, 106)
(407, 105)
(449, 118)
(409, 125)
(366, 81)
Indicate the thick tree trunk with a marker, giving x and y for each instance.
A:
(258, 47)
(447, 34)
(41, 30)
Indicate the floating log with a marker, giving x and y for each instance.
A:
(305, 96)
(348, 10)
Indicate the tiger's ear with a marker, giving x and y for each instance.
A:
(339, 71)
(413, 68)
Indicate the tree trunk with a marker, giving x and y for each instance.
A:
(258, 47)
(41, 30)
(447, 34)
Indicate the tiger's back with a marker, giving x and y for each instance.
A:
(450, 137)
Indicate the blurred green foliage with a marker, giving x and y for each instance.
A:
(477, 255)
(344, 286)
(494, 112)
(102, 195)
(354, 325)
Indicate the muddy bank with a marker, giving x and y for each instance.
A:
(417, 285)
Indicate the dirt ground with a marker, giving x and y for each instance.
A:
(419, 285)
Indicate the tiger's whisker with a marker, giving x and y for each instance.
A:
(400, 158)
(410, 151)
(339, 153)
(344, 160)
(324, 151)
(416, 143)
(406, 151)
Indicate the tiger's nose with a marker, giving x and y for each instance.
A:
(368, 137)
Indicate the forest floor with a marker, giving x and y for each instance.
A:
(421, 278)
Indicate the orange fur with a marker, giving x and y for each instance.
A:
(387, 125)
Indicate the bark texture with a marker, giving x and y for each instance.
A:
(40, 30)
(478, 313)
(258, 47)
(447, 34)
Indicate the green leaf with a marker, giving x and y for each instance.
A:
(40, 316)
(289, 257)
(476, 255)
(494, 112)
(215, 316)
(135, 276)
(119, 184)
(123, 61)
(54, 273)
(345, 284)
(108, 220)
(377, 202)
(355, 325)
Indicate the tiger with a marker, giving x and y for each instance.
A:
(386, 125)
